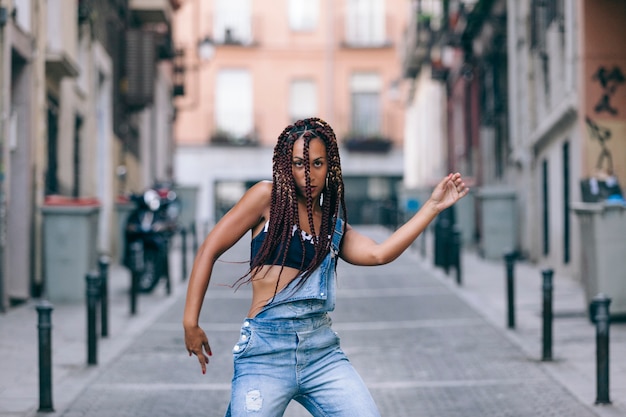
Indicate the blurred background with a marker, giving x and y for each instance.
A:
(100, 100)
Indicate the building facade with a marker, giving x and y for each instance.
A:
(338, 60)
(85, 118)
(535, 112)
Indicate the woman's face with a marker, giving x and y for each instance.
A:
(318, 164)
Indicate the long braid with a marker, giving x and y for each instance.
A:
(284, 204)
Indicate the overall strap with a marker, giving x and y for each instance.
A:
(337, 236)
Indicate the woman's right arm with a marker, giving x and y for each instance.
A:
(246, 214)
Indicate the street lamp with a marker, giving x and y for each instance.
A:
(206, 48)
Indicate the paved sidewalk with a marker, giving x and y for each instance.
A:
(483, 289)
(574, 336)
(19, 349)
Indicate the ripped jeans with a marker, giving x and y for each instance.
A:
(279, 358)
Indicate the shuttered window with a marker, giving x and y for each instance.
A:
(365, 22)
(303, 14)
(233, 106)
(365, 103)
(233, 22)
(302, 99)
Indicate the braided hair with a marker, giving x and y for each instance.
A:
(284, 203)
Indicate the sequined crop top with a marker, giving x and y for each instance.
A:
(294, 252)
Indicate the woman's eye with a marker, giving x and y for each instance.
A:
(297, 164)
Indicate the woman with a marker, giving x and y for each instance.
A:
(287, 349)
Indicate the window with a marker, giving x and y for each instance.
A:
(52, 175)
(233, 22)
(78, 128)
(302, 99)
(303, 14)
(365, 22)
(365, 90)
(233, 103)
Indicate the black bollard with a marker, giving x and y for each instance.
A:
(509, 258)
(93, 292)
(547, 314)
(136, 253)
(103, 267)
(602, 319)
(183, 243)
(440, 243)
(446, 243)
(44, 314)
(456, 253)
(194, 236)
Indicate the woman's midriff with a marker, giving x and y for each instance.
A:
(264, 285)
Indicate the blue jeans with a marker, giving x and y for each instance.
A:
(279, 358)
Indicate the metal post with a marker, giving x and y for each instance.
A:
(103, 266)
(136, 253)
(44, 313)
(93, 291)
(547, 314)
(442, 243)
(509, 258)
(602, 319)
(446, 241)
(183, 243)
(456, 253)
(194, 236)
(4, 18)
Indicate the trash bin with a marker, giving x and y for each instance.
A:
(70, 228)
(498, 222)
(602, 249)
(188, 195)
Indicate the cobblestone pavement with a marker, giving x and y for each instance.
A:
(422, 349)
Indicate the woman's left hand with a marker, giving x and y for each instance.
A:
(450, 190)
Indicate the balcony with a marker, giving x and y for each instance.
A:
(365, 32)
(61, 48)
(368, 143)
(153, 11)
(223, 137)
(235, 29)
(417, 45)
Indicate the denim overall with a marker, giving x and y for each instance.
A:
(289, 352)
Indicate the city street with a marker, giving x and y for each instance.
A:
(421, 349)
(128, 129)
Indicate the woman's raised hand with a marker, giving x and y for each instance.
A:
(450, 190)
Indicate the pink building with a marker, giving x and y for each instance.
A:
(268, 66)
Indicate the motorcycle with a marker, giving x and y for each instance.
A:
(148, 232)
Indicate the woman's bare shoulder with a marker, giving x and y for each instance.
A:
(261, 191)
(258, 198)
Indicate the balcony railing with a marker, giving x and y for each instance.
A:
(241, 30)
(370, 143)
(418, 44)
(153, 11)
(225, 138)
(358, 34)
